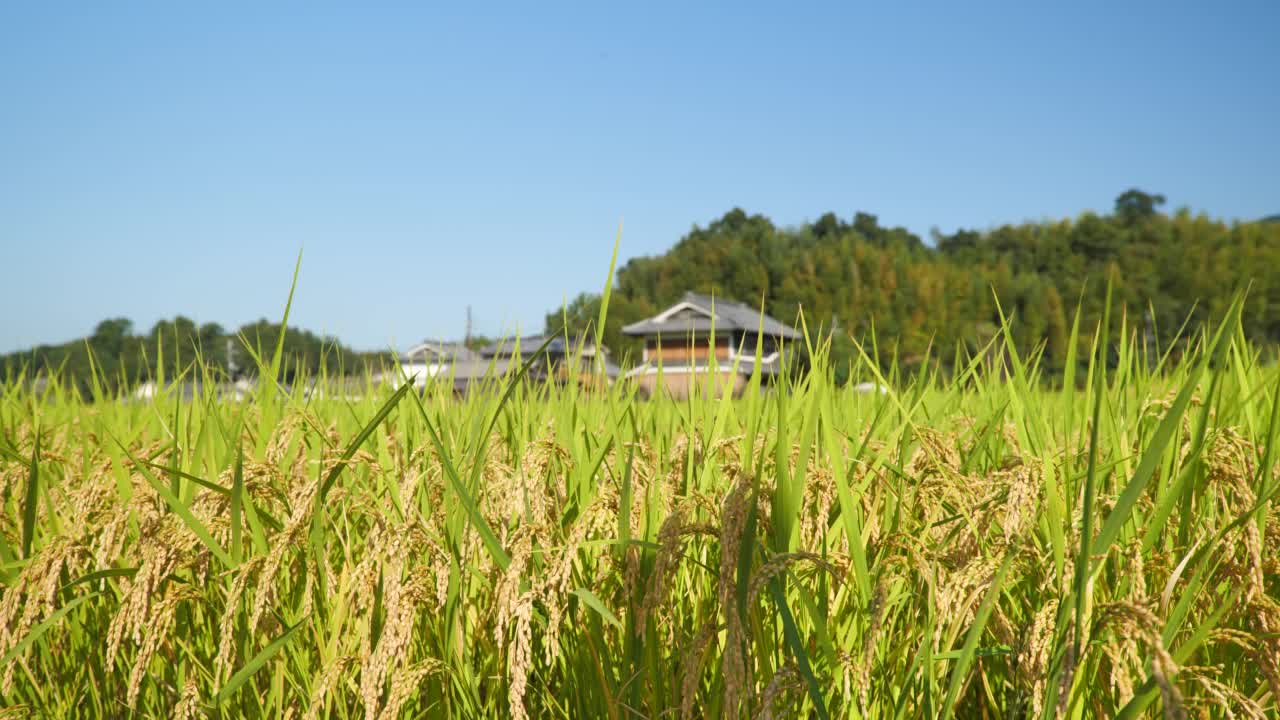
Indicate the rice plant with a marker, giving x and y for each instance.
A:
(975, 545)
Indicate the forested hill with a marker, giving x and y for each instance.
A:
(852, 275)
(123, 357)
(855, 274)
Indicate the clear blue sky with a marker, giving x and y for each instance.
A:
(163, 159)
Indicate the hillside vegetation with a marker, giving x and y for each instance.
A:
(853, 281)
(115, 357)
(858, 276)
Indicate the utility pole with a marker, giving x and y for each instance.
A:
(1149, 340)
(232, 370)
(466, 338)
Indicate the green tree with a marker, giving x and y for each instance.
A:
(1134, 206)
(110, 335)
(874, 278)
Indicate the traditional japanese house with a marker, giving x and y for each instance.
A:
(702, 338)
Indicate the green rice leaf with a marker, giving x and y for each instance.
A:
(469, 505)
(237, 502)
(100, 575)
(182, 511)
(31, 500)
(590, 600)
(367, 431)
(41, 628)
(967, 653)
(798, 651)
(243, 675)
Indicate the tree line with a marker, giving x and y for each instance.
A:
(856, 279)
(120, 357)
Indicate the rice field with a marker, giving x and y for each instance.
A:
(977, 545)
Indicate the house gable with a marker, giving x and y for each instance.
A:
(682, 311)
(696, 315)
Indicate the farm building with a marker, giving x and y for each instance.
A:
(553, 362)
(702, 337)
(430, 358)
(465, 368)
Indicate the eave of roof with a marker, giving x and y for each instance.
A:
(728, 316)
(529, 345)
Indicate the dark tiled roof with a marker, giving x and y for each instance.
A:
(477, 369)
(438, 351)
(729, 316)
(529, 344)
